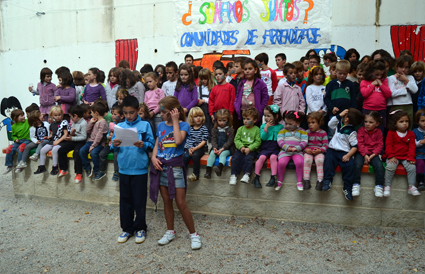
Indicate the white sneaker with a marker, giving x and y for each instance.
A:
(232, 180)
(387, 191)
(356, 190)
(140, 236)
(300, 186)
(124, 237)
(245, 179)
(195, 241)
(34, 157)
(379, 191)
(413, 191)
(279, 185)
(167, 238)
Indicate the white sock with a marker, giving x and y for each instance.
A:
(171, 231)
(194, 234)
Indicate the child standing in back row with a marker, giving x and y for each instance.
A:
(152, 97)
(94, 89)
(222, 95)
(46, 90)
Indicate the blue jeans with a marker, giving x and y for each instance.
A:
(376, 163)
(84, 152)
(333, 158)
(15, 146)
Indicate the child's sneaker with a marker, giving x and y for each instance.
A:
(78, 178)
(124, 237)
(167, 238)
(421, 186)
(387, 191)
(347, 194)
(34, 157)
(40, 169)
(55, 170)
(279, 186)
(21, 165)
(63, 173)
(192, 177)
(326, 186)
(232, 180)
(319, 185)
(8, 169)
(116, 176)
(245, 178)
(140, 236)
(356, 190)
(300, 186)
(99, 176)
(413, 191)
(379, 191)
(18, 170)
(195, 241)
(89, 172)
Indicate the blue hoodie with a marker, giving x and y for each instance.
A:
(133, 160)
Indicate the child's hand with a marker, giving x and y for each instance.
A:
(201, 101)
(345, 158)
(342, 114)
(412, 162)
(17, 141)
(215, 151)
(243, 149)
(68, 138)
(151, 113)
(335, 110)
(212, 118)
(220, 151)
(93, 120)
(175, 115)
(191, 151)
(90, 149)
(422, 141)
(86, 102)
(156, 163)
(375, 83)
(247, 151)
(316, 151)
(38, 142)
(55, 143)
(308, 151)
(57, 98)
(393, 160)
(116, 142)
(139, 144)
(379, 82)
(185, 110)
(30, 89)
(366, 159)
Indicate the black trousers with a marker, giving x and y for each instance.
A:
(66, 147)
(196, 159)
(243, 162)
(133, 196)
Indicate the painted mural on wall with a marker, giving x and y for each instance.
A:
(411, 37)
(7, 106)
(339, 51)
(127, 49)
(225, 57)
(252, 24)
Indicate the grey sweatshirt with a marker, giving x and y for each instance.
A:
(81, 130)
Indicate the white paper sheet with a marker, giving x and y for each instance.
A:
(127, 136)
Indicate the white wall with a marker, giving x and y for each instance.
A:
(82, 33)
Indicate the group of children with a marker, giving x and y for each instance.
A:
(336, 118)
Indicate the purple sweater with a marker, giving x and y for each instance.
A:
(261, 95)
(67, 98)
(91, 94)
(187, 98)
(317, 139)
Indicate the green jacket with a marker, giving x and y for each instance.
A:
(249, 138)
(21, 131)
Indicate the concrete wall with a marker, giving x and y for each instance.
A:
(216, 196)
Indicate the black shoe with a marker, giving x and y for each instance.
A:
(420, 182)
(272, 182)
(40, 169)
(55, 170)
(89, 172)
(218, 169)
(347, 194)
(256, 181)
(306, 184)
(421, 186)
(208, 173)
(319, 185)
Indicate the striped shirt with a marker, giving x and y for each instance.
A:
(287, 139)
(196, 137)
(317, 139)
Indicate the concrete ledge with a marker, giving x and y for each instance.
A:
(216, 196)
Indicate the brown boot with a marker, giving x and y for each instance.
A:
(218, 169)
(208, 173)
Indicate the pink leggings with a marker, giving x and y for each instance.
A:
(260, 162)
(298, 161)
(308, 160)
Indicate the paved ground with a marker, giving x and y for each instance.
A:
(56, 237)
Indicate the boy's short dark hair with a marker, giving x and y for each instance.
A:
(298, 65)
(253, 112)
(130, 101)
(44, 72)
(76, 110)
(218, 64)
(66, 77)
(103, 102)
(222, 69)
(62, 69)
(85, 107)
(99, 108)
(31, 108)
(188, 56)
(317, 57)
(353, 65)
(262, 57)
(355, 117)
(281, 55)
(240, 60)
(124, 64)
(302, 59)
(173, 65)
(118, 108)
(287, 67)
(146, 68)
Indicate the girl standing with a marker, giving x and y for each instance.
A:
(251, 92)
(79, 83)
(46, 89)
(186, 91)
(206, 85)
(196, 142)
(112, 86)
(222, 140)
(65, 94)
(420, 148)
(162, 76)
(59, 129)
(316, 91)
(315, 150)
(94, 89)
(152, 98)
(400, 148)
(292, 140)
(134, 87)
(168, 172)
(269, 148)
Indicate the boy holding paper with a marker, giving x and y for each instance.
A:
(133, 162)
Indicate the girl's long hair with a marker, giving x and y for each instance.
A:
(170, 103)
(191, 81)
(206, 74)
(314, 72)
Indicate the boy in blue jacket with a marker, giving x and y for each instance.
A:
(133, 162)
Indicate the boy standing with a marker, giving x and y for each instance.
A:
(170, 86)
(299, 71)
(188, 59)
(222, 95)
(133, 165)
(239, 62)
(267, 74)
(75, 141)
(280, 59)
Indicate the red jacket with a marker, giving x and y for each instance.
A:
(400, 148)
(370, 143)
(222, 96)
(375, 98)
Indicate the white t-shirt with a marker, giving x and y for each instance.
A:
(169, 88)
(205, 93)
(315, 98)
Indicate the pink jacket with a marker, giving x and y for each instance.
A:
(152, 98)
(289, 98)
(375, 98)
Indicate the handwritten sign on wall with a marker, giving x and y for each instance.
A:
(251, 24)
